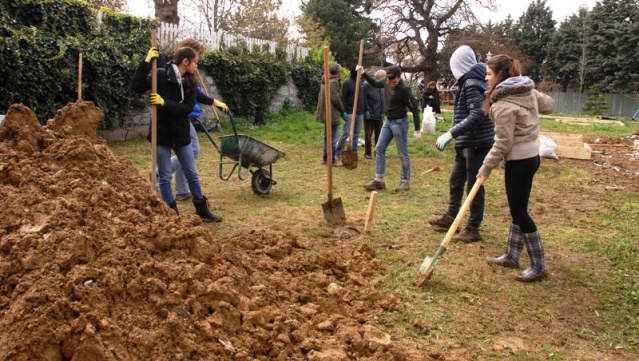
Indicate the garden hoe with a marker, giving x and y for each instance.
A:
(428, 265)
(333, 208)
(349, 156)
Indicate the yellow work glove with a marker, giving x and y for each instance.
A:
(152, 54)
(156, 99)
(223, 107)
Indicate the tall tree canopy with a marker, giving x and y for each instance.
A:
(259, 19)
(344, 24)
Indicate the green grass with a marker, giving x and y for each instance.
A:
(591, 240)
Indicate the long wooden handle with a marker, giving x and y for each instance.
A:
(371, 211)
(469, 199)
(154, 115)
(358, 79)
(329, 128)
(79, 76)
(207, 93)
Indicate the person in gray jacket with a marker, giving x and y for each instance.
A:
(473, 133)
(374, 116)
(514, 106)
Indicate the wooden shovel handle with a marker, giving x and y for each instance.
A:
(462, 212)
(329, 128)
(154, 114)
(357, 81)
(79, 76)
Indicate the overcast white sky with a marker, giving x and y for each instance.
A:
(560, 8)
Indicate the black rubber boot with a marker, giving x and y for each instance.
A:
(202, 210)
(174, 207)
(515, 245)
(537, 269)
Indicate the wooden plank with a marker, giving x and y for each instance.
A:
(583, 152)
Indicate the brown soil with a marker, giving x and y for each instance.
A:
(93, 266)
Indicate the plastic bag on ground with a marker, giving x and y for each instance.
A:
(428, 122)
(547, 147)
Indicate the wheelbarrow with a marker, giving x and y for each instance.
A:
(246, 155)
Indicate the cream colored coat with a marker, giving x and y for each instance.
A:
(515, 109)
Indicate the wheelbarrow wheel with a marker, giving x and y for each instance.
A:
(261, 182)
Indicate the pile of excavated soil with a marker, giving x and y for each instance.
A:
(94, 266)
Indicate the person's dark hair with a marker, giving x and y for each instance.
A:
(353, 70)
(188, 80)
(393, 71)
(504, 67)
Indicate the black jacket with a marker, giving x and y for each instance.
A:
(398, 99)
(173, 122)
(375, 101)
(348, 96)
(471, 126)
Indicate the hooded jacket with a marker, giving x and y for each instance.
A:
(515, 110)
(348, 95)
(173, 126)
(336, 102)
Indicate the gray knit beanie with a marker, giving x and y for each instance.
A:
(462, 60)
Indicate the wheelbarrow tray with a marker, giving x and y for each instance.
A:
(250, 151)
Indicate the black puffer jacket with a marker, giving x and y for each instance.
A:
(173, 121)
(471, 126)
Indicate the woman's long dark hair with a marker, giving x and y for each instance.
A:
(504, 67)
(188, 80)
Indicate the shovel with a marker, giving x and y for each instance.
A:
(348, 156)
(428, 265)
(333, 208)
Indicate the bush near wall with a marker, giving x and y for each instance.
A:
(40, 42)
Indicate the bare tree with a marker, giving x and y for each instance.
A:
(167, 11)
(414, 29)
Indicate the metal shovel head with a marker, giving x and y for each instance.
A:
(334, 210)
(348, 158)
(428, 266)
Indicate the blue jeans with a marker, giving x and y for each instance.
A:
(397, 129)
(180, 179)
(334, 130)
(346, 132)
(185, 156)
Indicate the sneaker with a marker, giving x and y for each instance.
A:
(468, 235)
(368, 156)
(183, 196)
(403, 187)
(337, 163)
(375, 185)
(445, 221)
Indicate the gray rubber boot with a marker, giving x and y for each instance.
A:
(513, 249)
(537, 269)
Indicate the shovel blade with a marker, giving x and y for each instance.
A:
(348, 158)
(334, 211)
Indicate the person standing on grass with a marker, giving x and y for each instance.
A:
(181, 185)
(430, 97)
(175, 99)
(337, 109)
(473, 132)
(514, 105)
(399, 98)
(348, 99)
(374, 116)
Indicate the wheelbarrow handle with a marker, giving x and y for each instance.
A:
(206, 131)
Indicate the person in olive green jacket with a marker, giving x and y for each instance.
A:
(337, 109)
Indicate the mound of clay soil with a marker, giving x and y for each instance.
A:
(94, 266)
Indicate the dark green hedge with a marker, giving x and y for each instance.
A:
(40, 42)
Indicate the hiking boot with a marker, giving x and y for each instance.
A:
(183, 196)
(202, 210)
(337, 163)
(445, 221)
(403, 187)
(174, 207)
(375, 185)
(368, 156)
(468, 235)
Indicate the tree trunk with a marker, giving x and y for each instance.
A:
(167, 11)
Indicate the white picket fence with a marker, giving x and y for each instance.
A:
(169, 35)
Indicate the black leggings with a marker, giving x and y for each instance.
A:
(519, 179)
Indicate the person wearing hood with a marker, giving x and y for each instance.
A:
(175, 98)
(473, 133)
(337, 110)
(514, 106)
(348, 99)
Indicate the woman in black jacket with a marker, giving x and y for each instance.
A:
(431, 97)
(175, 99)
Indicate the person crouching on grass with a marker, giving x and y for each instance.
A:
(175, 99)
(514, 106)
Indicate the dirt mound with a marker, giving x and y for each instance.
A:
(94, 266)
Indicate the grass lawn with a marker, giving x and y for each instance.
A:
(588, 308)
